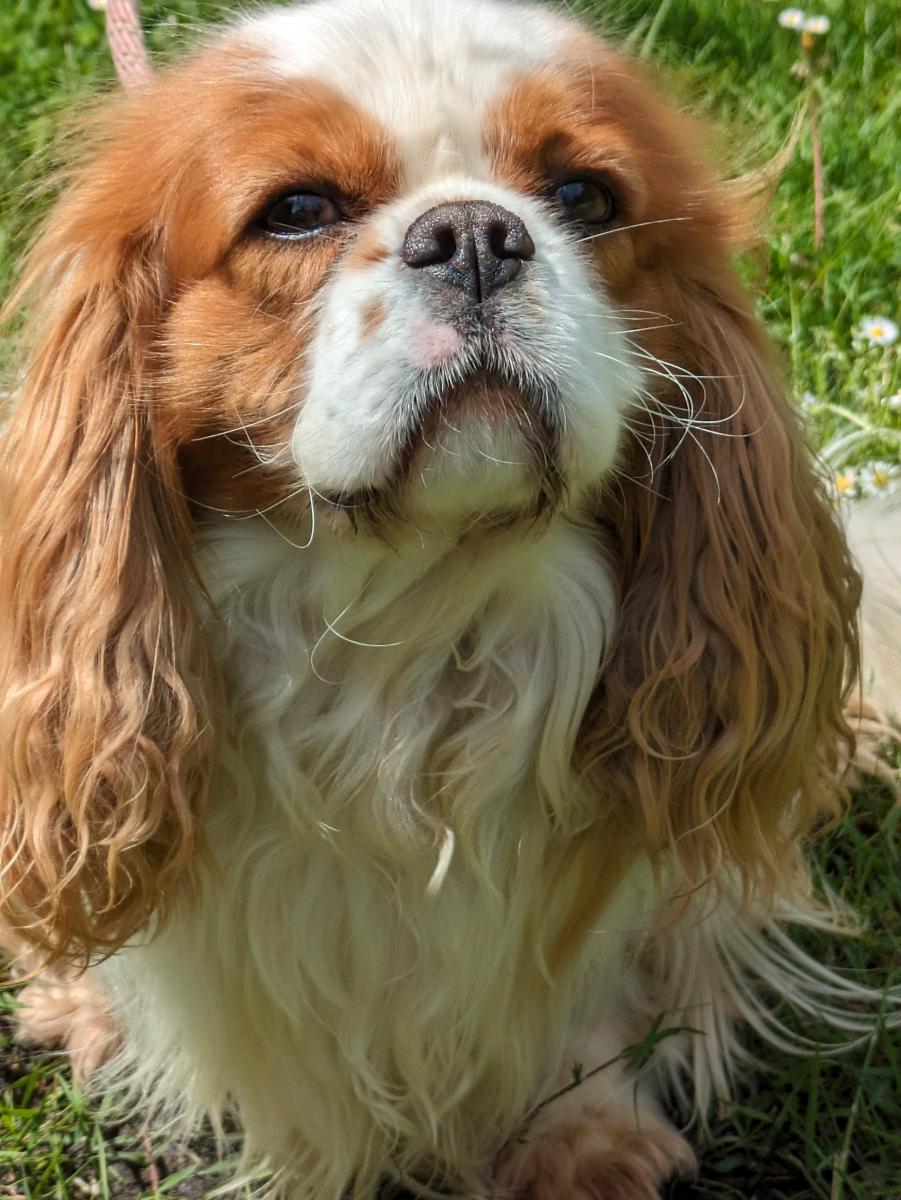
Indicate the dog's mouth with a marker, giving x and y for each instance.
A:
(493, 399)
(491, 382)
(477, 407)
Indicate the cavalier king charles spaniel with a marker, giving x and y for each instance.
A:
(424, 632)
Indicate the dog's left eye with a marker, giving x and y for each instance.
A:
(299, 215)
(586, 201)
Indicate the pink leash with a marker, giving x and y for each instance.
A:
(126, 42)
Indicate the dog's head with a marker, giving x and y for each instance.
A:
(409, 262)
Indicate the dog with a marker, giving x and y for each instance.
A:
(426, 634)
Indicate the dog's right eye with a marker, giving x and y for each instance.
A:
(586, 201)
(299, 215)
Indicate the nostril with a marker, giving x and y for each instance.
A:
(432, 240)
(497, 239)
(515, 241)
(445, 244)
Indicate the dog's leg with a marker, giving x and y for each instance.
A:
(604, 1139)
(61, 1007)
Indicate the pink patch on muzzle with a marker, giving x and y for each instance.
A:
(432, 343)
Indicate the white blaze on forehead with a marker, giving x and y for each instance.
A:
(427, 70)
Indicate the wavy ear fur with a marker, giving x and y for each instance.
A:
(103, 737)
(719, 717)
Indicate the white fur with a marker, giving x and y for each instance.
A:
(557, 325)
(361, 970)
(365, 969)
(428, 70)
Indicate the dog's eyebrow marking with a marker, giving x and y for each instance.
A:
(427, 70)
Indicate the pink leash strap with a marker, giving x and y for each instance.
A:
(126, 42)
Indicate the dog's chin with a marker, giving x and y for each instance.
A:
(485, 449)
(483, 452)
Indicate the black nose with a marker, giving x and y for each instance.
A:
(471, 245)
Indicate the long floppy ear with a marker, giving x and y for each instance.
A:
(103, 741)
(720, 714)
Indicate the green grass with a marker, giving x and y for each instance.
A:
(807, 1129)
(54, 1142)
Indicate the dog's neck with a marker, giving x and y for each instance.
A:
(412, 684)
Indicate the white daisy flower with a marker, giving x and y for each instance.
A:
(816, 25)
(792, 18)
(879, 478)
(879, 331)
(893, 402)
(808, 402)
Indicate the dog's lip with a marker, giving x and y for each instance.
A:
(484, 365)
(482, 383)
(481, 390)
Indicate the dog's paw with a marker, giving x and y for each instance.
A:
(72, 1013)
(598, 1157)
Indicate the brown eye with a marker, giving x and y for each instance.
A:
(300, 214)
(585, 201)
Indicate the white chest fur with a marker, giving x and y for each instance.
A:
(362, 970)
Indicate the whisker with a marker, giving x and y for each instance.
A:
(651, 328)
(295, 545)
(625, 228)
(244, 426)
(256, 466)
